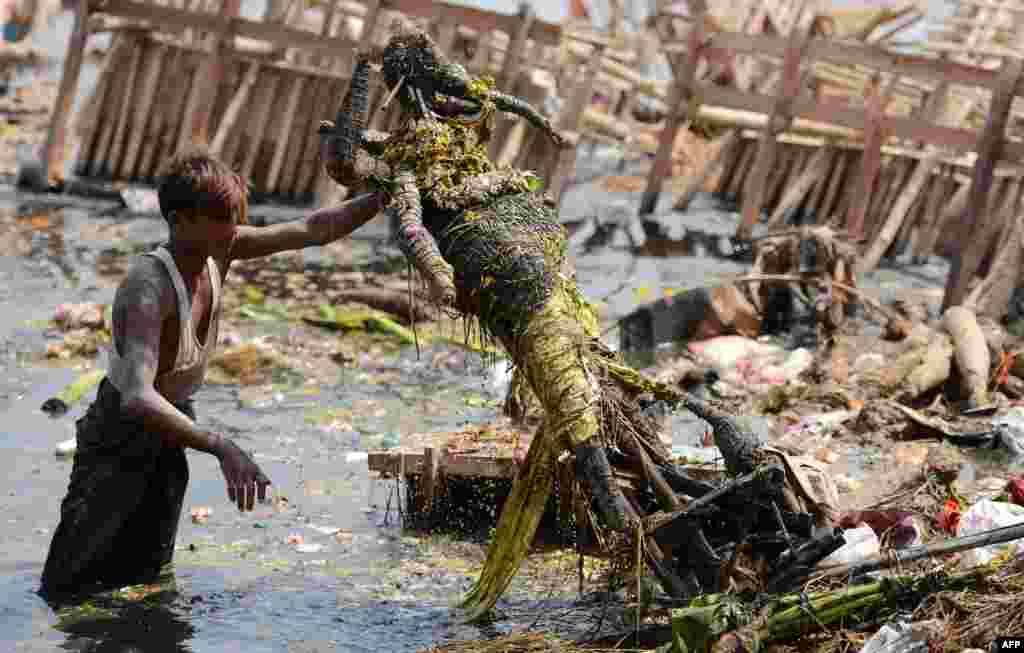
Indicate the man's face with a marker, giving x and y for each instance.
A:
(206, 235)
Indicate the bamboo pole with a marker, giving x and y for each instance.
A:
(870, 159)
(812, 173)
(778, 121)
(176, 124)
(55, 149)
(906, 236)
(144, 110)
(682, 103)
(166, 99)
(234, 110)
(789, 164)
(256, 127)
(510, 71)
(281, 146)
(308, 168)
(211, 74)
(966, 260)
(296, 138)
(120, 135)
(834, 184)
(101, 99)
(932, 217)
(816, 195)
(739, 180)
(731, 163)
(892, 212)
(991, 297)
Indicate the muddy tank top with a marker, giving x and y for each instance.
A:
(186, 375)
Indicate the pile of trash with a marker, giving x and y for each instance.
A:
(83, 328)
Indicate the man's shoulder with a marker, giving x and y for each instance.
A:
(145, 275)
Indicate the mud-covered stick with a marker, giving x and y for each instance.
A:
(416, 242)
(897, 557)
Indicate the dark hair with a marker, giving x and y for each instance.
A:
(195, 181)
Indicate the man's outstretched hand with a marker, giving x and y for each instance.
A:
(245, 479)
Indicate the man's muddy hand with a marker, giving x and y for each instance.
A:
(245, 480)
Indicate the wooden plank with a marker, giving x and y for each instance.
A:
(280, 35)
(388, 463)
(966, 261)
(167, 97)
(175, 125)
(781, 114)
(907, 196)
(145, 109)
(310, 160)
(510, 72)
(302, 127)
(946, 213)
(122, 127)
(834, 184)
(814, 169)
(992, 296)
(958, 139)
(739, 180)
(103, 97)
(54, 152)
(788, 162)
(845, 53)
(281, 145)
(870, 160)
(817, 192)
(429, 477)
(477, 19)
(731, 165)
(682, 96)
(234, 110)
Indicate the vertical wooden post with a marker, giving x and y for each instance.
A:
(234, 110)
(967, 258)
(428, 481)
(208, 80)
(54, 151)
(144, 110)
(735, 188)
(992, 296)
(281, 146)
(122, 125)
(681, 104)
(871, 159)
(930, 221)
(780, 119)
(516, 45)
(256, 127)
(370, 19)
(559, 160)
(510, 72)
(813, 171)
(828, 203)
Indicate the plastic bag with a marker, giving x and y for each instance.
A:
(985, 516)
(901, 637)
(1010, 429)
(861, 543)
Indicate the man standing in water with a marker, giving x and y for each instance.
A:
(120, 516)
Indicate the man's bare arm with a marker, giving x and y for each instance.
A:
(321, 227)
(140, 307)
